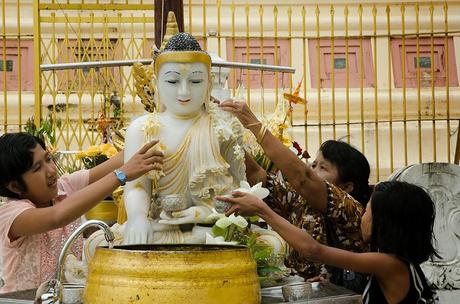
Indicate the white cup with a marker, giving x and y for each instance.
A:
(296, 291)
(72, 293)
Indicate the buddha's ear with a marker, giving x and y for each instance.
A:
(212, 77)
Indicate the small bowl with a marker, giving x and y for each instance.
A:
(72, 293)
(297, 291)
(174, 202)
(222, 207)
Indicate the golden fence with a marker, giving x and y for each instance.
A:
(380, 75)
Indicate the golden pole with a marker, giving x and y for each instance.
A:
(37, 62)
(377, 161)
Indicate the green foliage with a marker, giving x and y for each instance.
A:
(262, 159)
(46, 131)
(91, 162)
(262, 253)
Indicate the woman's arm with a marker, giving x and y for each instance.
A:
(106, 167)
(299, 174)
(254, 173)
(38, 220)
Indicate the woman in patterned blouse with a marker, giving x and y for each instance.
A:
(326, 200)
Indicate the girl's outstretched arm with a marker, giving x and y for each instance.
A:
(39, 220)
(106, 167)
(301, 177)
(380, 264)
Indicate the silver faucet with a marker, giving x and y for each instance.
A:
(54, 293)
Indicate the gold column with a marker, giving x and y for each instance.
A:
(331, 11)
(390, 83)
(37, 62)
(361, 76)
(403, 59)
(433, 100)
(318, 82)
(376, 107)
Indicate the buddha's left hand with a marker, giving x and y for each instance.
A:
(192, 215)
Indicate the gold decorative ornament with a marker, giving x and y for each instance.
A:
(171, 29)
(144, 88)
(182, 57)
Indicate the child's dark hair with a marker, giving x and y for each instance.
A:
(402, 221)
(352, 166)
(16, 158)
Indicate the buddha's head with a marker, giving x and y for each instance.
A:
(182, 75)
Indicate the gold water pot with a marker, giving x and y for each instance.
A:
(182, 273)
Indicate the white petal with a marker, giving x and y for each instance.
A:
(240, 221)
(258, 185)
(223, 222)
(213, 217)
(245, 184)
(244, 190)
(209, 239)
(261, 193)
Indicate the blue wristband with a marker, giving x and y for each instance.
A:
(121, 176)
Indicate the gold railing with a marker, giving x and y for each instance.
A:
(394, 125)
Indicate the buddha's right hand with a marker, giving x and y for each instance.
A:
(138, 230)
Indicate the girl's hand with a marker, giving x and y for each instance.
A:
(145, 160)
(244, 204)
(241, 110)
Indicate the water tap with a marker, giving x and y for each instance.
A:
(54, 293)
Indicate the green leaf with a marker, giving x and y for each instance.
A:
(223, 222)
(262, 253)
(217, 231)
(253, 219)
(267, 270)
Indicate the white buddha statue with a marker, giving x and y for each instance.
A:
(202, 147)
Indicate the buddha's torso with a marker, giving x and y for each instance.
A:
(173, 132)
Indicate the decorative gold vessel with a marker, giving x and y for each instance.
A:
(106, 211)
(182, 273)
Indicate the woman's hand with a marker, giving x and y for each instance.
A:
(244, 204)
(241, 110)
(145, 160)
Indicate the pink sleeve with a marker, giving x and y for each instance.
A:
(74, 182)
(8, 214)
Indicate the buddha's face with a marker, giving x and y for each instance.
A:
(183, 87)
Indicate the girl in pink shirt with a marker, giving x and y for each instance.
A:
(42, 211)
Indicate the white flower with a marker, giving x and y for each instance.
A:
(238, 152)
(75, 271)
(239, 221)
(218, 240)
(256, 190)
(214, 217)
(223, 130)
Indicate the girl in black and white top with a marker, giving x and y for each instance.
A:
(398, 224)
